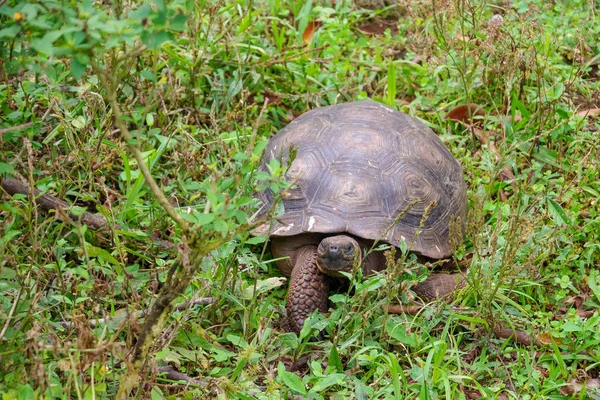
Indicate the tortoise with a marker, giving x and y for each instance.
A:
(363, 173)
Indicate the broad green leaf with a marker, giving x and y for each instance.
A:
(547, 156)
(594, 285)
(203, 219)
(77, 68)
(157, 393)
(289, 340)
(237, 341)
(398, 332)
(42, 46)
(155, 39)
(102, 254)
(6, 169)
(256, 240)
(62, 299)
(150, 119)
(78, 122)
(234, 88)
(25, 392)
(10, 32)
(149, 75)
(570, 326)
(141, 13)
(291, 380)
(593, 191)
(334, 359)
(264, 285)
(559, 216)
(160, 17)
(329, 380)
(7, 273)
(221, 226)
(177, 23)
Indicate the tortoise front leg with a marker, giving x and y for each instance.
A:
(308, 289)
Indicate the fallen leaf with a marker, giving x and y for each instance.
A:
(472, 394)
(480, 134)
(546, 338)
(465, 113)
(310, 30)
(520, 337)
(591, 386)
(586, 314)
(577, 301)
(506, 174)
(592, 112)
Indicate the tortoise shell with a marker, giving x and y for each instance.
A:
(370, 171)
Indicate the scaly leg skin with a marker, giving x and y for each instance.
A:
(308, 291)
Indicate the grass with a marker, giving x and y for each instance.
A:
(200, 98)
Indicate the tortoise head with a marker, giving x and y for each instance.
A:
(337, 254)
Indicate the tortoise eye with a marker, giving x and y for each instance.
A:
(348, 248)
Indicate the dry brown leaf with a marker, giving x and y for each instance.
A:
(546, 338)
(577, 301)
(310, 30)
(465, 113)
(506, 174)
(592, 112)
(475, 394)
(520, 337)
(591, 385)
(586, 314)
(471, 394)
(480, 134)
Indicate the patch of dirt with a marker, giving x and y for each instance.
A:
(377, 26)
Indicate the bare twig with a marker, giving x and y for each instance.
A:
(25, 125)
(49, 203)
(519, 337)
(15, 128)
